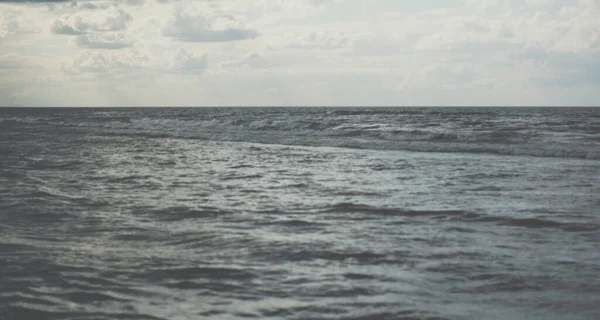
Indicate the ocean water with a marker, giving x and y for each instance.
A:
(300, 213)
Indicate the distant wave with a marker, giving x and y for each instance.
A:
(333, 133)
(515, 137)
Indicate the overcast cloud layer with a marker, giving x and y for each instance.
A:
(299, 52)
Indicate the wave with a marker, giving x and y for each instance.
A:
(366, 209)
(180, 213)
(359, 129)
(332, 133)
(461, 216)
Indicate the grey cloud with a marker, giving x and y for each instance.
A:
(182, 61)
(321, 39)
(60, 28)
(252, 60)
(96, 63)
(74, 5)
(119, 62)
(134, 2)
(79, 27)
(188, 28)
(8, 28)
(105, 63)
(111, 41)
(210, 35)
(117, 22)
(89, 6)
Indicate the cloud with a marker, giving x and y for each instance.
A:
(134, 2)
(194, 27)
(116, 21)
(8, 26)
(111, 19)
(60, 28)
(252, 60)
(297, 9)
(182, 61)
(32, 1)
(14, 22)
(73, 6)
(559, 26)
(89, 62)
(130, 61)
(109, 63)
(109, 41)
(304, 51)
(567, 69)
(322, 39)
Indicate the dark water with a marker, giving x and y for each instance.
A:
(419, 213)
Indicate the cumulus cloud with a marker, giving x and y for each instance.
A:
(13, 22)
(134, 2)
(60, 28)
(554, 25)
(71, 6)
(195, 27)
(186, 62)
(251, 60)
(322, 39)
(112, 19)
(100, 62)
(8, 26)
(110, 41)
(89, 62)
(296, 9)
(119, 62)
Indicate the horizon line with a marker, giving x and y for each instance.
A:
(320, 106)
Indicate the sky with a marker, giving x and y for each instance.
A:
(300, 53)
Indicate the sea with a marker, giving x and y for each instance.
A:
(299, 213)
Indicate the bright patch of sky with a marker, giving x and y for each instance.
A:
(299, 52)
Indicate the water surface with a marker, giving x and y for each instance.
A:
(300, 213)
